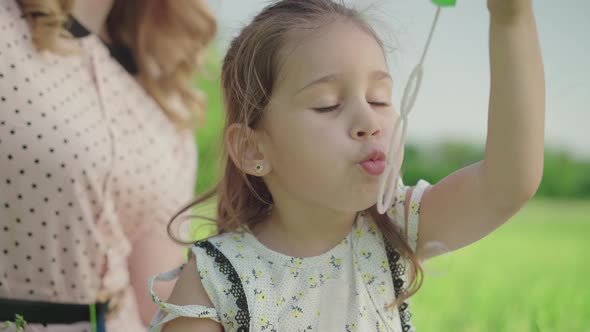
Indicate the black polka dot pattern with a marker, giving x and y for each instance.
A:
(89, 164)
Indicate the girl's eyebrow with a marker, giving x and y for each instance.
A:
(376, 75)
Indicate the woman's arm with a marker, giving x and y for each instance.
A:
(472, 202)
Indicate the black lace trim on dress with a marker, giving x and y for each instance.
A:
(237, 290)
(397, 271)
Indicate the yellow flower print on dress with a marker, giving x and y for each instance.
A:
(296, 261)
(294, 272)
(393, 211)
(372, 228)
(350, 327)
(280, 301)
(359, 233)
(245, 279)
(335, 262)
(401, 196)
(257, 273)
(297, 296)
(322, 278)
(368, 278)
(313, 282)
(365, 253)
(228, 318)
(260, 296)
(384, 265)
(296, 312)
(379, 326)
(415, 208)
(265, 325)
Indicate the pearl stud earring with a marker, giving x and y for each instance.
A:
(259, 168)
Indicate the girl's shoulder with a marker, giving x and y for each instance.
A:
(221, 253)
(227, 244)
(226, 239)
(189, 299)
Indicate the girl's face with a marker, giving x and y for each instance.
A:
(329, 120)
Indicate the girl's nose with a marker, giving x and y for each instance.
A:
(365, 123)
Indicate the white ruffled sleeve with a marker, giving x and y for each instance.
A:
(397, 211)
(168, 311)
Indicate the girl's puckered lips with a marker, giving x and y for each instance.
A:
(374, 163)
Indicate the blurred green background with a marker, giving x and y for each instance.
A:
(529, 275)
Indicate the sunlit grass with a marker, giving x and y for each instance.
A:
(529, 275)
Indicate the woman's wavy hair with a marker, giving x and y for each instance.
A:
(168, 41)
(249, 74)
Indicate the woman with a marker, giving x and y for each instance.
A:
(96, 119)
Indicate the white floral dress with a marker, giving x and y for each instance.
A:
(347, 288)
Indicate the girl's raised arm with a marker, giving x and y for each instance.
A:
(472, 202)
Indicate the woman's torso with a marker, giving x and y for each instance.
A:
(88, 163)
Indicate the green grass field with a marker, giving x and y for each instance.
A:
(529, 275)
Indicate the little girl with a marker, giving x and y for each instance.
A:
(300, 245)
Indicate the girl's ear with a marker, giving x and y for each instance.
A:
(240, 141)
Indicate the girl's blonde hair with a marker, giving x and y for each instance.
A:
(167, 39)
(249, 74)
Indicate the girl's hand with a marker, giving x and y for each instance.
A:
(509, 10)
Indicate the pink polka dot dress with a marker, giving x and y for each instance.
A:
(90, 166)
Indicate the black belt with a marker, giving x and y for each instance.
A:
(51, 313)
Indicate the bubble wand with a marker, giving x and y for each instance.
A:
(391, 174)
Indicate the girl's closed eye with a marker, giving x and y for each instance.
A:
(380, 94)
(326, 109)
(379, 98)
(379, 103)
(335, 107)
